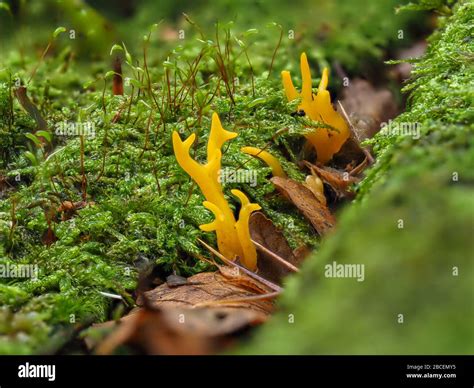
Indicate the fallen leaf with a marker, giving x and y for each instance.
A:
(339, 181)
(265, 233)
(302, 197)
(207, 287)
(147, 331)
(201, 316)
(177, 330)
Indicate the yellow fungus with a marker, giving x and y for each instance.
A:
(268, 158)
(318, 107)
(249, 258)
(315, 184)
(233, 237)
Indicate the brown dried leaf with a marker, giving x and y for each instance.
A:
(264, 232)
(198, 317)
(211, 287)
(178, 331)
(339, 181)
(149, 331)
(302, 197)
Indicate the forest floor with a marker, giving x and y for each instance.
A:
(101, 248)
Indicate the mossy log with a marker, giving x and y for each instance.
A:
(412, 229)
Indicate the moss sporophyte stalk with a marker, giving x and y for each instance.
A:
(326, 141)
(233, 237)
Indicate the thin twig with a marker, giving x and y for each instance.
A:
(277, 258)
(346, 116)
(253, 275)
(356, 170)
(369, 157)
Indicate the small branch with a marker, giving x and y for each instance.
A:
(275, 257)
(346, 116)
(370, 159)
(253, 275)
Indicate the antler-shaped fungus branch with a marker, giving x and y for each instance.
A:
(233, 238)
(318, 108)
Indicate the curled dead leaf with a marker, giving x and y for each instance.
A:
(339, 181)
(150, 332)
(302, 197)
(208, 287)
(267, 235)
(201, 316)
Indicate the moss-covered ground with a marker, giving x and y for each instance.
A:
(141, 209)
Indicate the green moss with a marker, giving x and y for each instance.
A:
(444, 95)
(143, 209)
(426, 183)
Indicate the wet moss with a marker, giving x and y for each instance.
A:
(420, 268)
(142, 209)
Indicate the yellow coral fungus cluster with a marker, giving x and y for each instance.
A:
(327, 141)
(233, 237)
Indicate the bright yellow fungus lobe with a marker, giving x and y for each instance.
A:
(233, 237)
(315, 184)
(318, 107)
(268, 158)
(243, 231)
